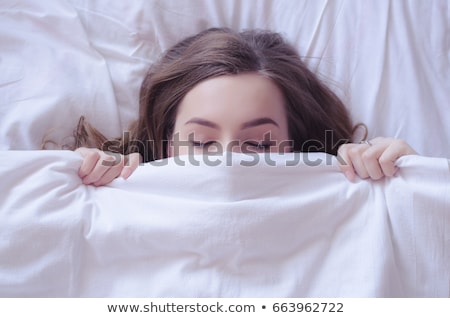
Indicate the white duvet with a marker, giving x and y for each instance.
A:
(246, 227)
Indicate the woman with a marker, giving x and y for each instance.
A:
(249, 90)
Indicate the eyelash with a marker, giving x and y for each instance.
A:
(259, 146)
(202, 144)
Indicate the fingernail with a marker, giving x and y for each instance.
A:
(125, 174)
(349, 175)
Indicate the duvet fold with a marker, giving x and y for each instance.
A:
(233, 225)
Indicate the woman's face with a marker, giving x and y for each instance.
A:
(238, 113)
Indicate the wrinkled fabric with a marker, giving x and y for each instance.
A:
(234, 225)
(389, 61)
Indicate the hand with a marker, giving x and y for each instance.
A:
(374, 159)
(99, 168)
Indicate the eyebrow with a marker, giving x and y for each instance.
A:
(258, 122)
(202, 122)
(249, 124)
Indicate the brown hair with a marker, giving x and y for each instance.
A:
(317, 119)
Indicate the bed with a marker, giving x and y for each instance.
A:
(245, 226)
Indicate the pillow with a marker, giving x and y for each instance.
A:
(388, 61)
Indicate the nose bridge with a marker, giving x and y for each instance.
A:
(230, 143)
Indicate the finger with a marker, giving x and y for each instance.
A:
(90, 160)
(124, 168)
(345, 164)
(394, 151)
(355, 154)
(112, 173)
(370, 159)
(103, 164)
(134, 159)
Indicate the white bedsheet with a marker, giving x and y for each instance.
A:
(388, 60)
(267, 230)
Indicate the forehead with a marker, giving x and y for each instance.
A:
(242, 96)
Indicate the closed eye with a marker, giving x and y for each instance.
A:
(258, 146)
(200, 144)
